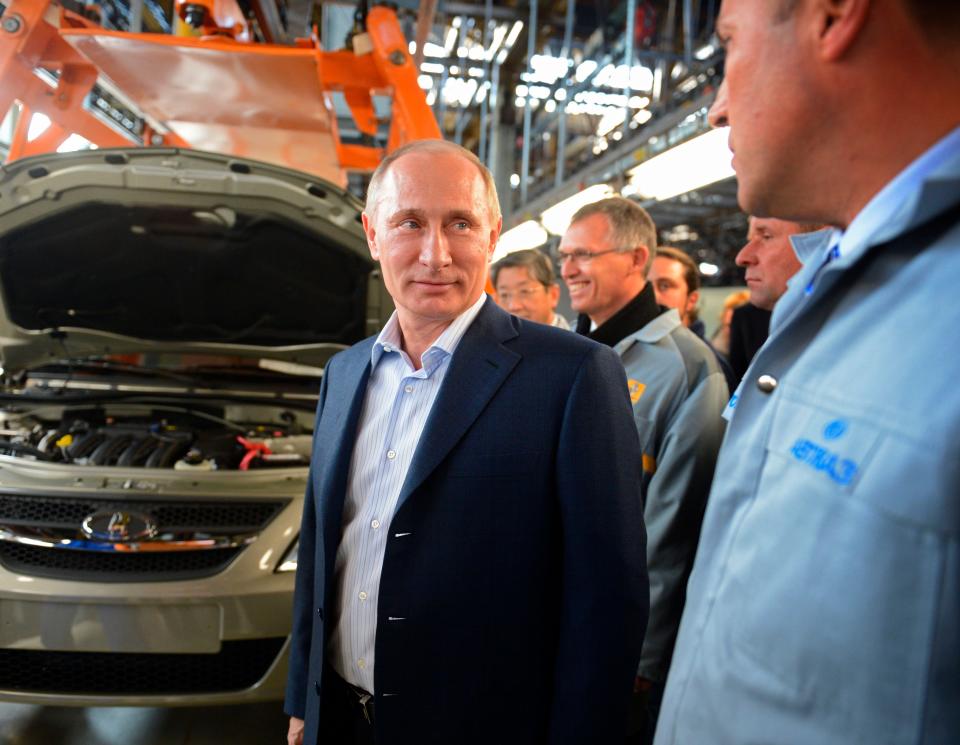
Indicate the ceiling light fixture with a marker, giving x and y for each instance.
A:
(700, 161)
(556, 219)
(529, 234)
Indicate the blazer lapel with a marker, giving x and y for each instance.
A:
(347, 393)
(478, 368)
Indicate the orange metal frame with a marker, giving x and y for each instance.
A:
(154, 70)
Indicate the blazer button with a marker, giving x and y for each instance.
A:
(316, 686)
(767, 383)
(320, 613)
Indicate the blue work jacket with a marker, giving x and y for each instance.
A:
(824, 603)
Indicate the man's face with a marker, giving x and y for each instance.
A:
(765, 101)
(670, 286)
(433, 234)
(521, 294)
(769, 259)
(602, 285)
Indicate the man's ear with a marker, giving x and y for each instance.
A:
(692, 299)
(553, 292)
(838, 25)
(371, 233)
(641, 255)
(494, 237)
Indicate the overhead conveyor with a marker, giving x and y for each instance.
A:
(213, 88)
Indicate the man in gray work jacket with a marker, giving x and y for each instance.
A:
(824, 608)
(678, 393)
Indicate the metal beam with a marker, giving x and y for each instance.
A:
(616, 160)
(425, 15)
(268, 19)
(562, 115)
(136, 16)
(527, 113)
(462, 119)
(494, 97)
(628, 61)
(299, 19)
(485, 104)
(475, 10)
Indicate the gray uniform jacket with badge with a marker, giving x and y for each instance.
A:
(824, 606)
(678, 392)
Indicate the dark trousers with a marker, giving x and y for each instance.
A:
(342, 718)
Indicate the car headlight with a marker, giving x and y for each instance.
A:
(289, 561)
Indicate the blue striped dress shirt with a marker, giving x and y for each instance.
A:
(397, 403)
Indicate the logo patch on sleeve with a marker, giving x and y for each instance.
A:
(636, 389)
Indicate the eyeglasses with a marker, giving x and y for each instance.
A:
(523, 294)
(583, 256)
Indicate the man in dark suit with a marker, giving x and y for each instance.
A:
(472, 552)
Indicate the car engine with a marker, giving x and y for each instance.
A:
(156, 436)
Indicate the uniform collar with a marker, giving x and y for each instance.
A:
(661, 326)
(632, 317)
(921, 191)
(812, 246)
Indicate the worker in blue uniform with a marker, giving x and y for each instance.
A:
(824, 603)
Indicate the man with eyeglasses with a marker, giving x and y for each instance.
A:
(678, 393)
(527, 286)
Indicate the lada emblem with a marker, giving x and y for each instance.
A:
(119, 526)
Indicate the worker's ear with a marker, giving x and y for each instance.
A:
(553, 292)
(692, 299)
(371, 233)
(837, 25)
(641, 255)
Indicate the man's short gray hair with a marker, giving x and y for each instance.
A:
(534, 261)
(630, 224)
(431, 146)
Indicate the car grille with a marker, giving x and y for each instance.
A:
(237, 666)
(70, 512)
(57, 513)
(155, 566)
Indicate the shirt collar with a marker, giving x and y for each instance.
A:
(389, 339)
(901, 203)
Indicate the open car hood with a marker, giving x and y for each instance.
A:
(164, 249)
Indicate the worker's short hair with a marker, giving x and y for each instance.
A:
(431, 146)
(630, 224)
(534, 261)
(938, 19)
(691, 274)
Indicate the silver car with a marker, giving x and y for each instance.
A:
(165, 319)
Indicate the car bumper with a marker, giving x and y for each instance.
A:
(214, 640)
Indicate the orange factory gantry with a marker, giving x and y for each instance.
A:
(210, 87)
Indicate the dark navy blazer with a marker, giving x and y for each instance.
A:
(520, 575)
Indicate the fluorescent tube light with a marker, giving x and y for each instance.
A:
(529, 234)
(514, 33)
(697, 162)
(556, 219)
